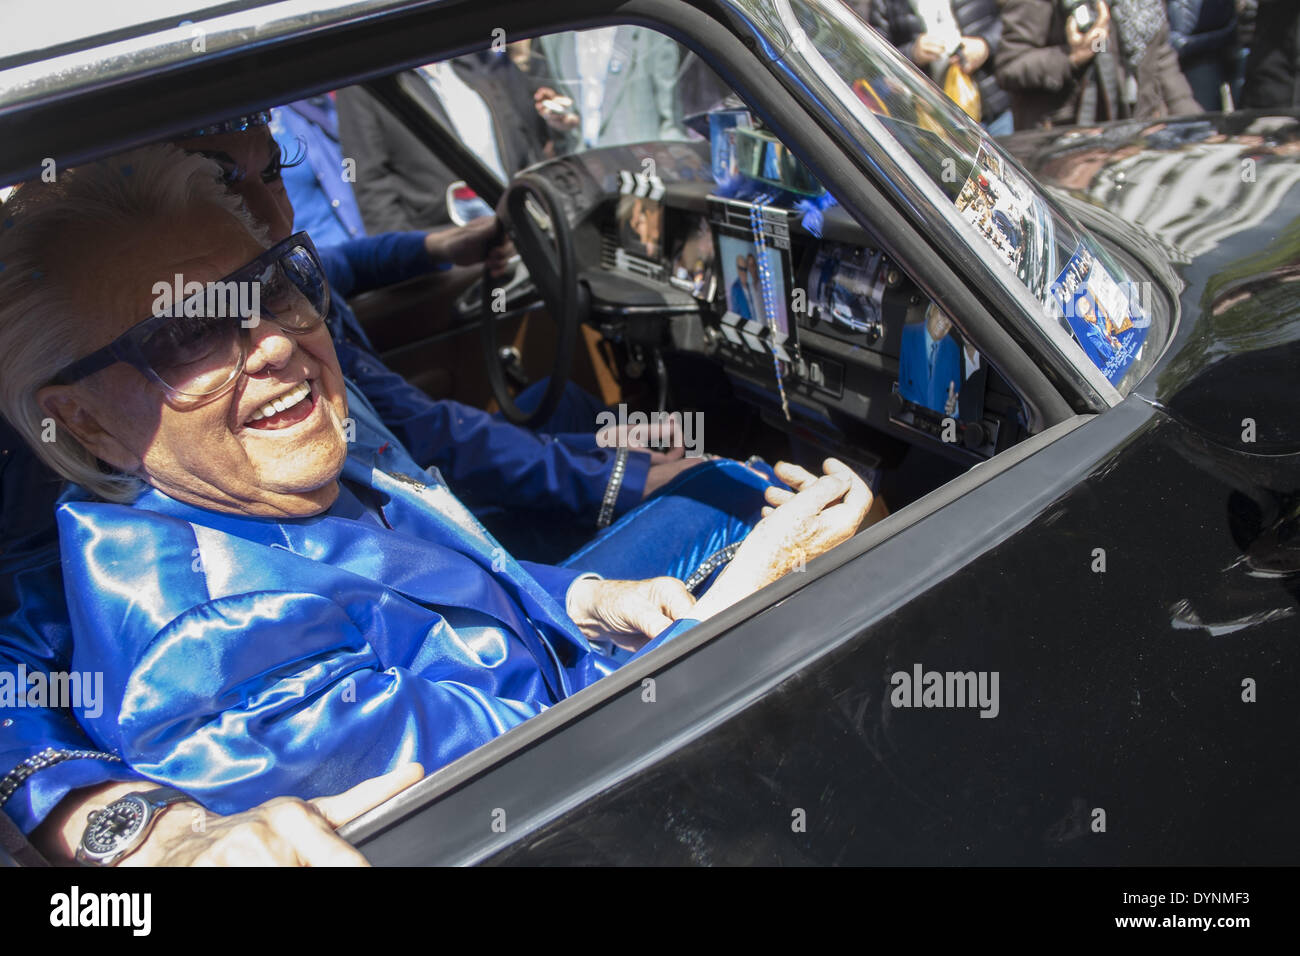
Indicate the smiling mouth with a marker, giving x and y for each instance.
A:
(286, 409)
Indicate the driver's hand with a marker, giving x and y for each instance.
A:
(471, 244)
(662, 472)
(662, 438)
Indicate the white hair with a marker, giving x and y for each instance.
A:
(41, 328)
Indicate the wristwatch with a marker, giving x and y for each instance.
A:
(121, 826)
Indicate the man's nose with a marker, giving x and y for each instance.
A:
(268, 206)
(269, 348)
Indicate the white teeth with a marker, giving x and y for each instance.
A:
(287, 400)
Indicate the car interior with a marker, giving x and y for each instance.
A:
(783, 330)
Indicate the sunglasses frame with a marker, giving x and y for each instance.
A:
(127, 346)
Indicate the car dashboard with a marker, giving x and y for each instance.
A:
(819, 329)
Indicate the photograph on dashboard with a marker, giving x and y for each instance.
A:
(848, 287)
(938, 371)
(640, 226)
(693, 259)
(755, 286)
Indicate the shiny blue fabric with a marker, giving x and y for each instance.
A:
(35, 637)
(247, 658)
(238, 590)
(703, 510)
(568, 469)
(323, 202)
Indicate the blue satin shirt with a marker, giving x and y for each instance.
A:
(470, 446)
(248, 658)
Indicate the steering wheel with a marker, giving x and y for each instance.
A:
(553, 267)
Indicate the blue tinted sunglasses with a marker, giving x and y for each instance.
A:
(196, 348)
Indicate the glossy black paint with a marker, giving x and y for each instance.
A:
(1119, 690)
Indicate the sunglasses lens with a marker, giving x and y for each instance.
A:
(199, 349)
(294, 293)
(195, 356)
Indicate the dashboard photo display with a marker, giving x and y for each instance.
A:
(848, 286)
(693, 259)
(755, 282)
(939, 372)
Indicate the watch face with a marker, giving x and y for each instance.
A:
(112, 828)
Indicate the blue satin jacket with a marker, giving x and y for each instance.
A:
(469, 446)
(248, 658)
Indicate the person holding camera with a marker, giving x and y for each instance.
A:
(937, 33)
(1084, 61)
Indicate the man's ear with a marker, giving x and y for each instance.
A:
(71, 407)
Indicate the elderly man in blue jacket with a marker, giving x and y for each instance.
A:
(278, 606)
(49, 756)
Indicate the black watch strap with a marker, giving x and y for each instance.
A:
(159, 797)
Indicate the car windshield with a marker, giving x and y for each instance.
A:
(1075, 281)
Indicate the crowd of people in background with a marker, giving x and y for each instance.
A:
(1040, 63)
(511, 107)
(1034, 63)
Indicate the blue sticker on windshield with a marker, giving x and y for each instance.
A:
(1103, 315)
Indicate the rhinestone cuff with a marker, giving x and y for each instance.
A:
(46, 758)
(612, 489)
(711, 564)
